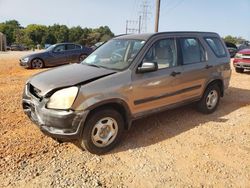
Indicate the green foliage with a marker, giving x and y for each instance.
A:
(75, 34)
(234, 40)
(8, 28)
(35, 34)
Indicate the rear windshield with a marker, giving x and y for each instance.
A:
(216, 45)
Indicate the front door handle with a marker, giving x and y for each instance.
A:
(175, 73)
(209, 66)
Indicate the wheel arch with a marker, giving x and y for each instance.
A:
(37, 58)
(218, 81)
(116, 104)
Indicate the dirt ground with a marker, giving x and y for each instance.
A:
(177, 148)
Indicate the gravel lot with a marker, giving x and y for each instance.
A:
(177, 148)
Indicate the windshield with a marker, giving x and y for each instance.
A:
(115, 54)
(50, 47)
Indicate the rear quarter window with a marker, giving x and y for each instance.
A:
(78, 47)
(216, 45)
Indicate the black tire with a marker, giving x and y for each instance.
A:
(205, 105)
(36, 64)
(239, 70)
(90, 131)
(82, 57)
(58, 140)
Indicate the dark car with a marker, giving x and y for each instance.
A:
(127, 78)
(17, 47)
(244, 45)
(57, 54)
(232, 48)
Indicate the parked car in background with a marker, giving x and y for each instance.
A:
(241, 61)
(127, 78)
(57, 54)
(18, 47)
(244, 45)
(232, 48)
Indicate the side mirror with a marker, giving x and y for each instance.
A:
(147, 67)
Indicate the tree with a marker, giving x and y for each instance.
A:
(75, 34)
(8, 28)
(49, 37)
(234, 40)
(60, 32)
(21, 37)
(36, 32)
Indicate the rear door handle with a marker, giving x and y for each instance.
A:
(175, 73)
(209, 66)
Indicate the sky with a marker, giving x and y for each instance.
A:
(226, 17)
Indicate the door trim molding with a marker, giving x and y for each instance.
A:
(153, 98)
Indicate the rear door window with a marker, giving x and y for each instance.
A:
(71, 46)
(216, 46)
(192, 51)
(77, 47)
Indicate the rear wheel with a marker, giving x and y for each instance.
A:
(239, 70)
(37, 64)
(210, 100)
(102, 131)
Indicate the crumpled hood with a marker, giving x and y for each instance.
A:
(65, 76)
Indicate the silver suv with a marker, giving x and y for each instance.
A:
(129, 77)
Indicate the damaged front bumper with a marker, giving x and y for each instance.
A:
(63, 124)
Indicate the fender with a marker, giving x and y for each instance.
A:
(119, 103)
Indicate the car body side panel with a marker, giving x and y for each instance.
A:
(145, 92)
(57, 58)
(219, 67)
(114, 87)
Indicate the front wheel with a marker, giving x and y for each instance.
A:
(37, 64)
(102, 131)
(239, 70)
(210, 100)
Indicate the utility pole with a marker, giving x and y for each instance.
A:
(126, 26)
(145, 15)
(139, 26)
(132, 26)
(157, 15)
(139, 29)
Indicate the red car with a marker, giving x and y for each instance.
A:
(242, 60)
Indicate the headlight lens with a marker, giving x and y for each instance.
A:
(238, 55)
(63, 99)
(26, 59)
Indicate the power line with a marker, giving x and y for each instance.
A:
(145, 12)
(133, 26)
(140, 24)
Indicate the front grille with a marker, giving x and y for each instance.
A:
(247, 66)
(35, 91)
